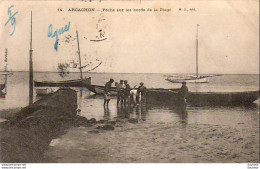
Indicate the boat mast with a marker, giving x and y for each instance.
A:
(6, 56)
(31, 69)
(80, 68)
(197, 43)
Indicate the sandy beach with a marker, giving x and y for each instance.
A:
(141, 142)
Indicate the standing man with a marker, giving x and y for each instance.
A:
(108, 91)
(126, 92)
(183, 93)
(141, 91)
(119, 89)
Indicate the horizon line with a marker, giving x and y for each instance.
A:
(143, 73)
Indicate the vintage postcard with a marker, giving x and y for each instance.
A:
(140, 81)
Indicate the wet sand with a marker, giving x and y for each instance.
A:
(135, 141)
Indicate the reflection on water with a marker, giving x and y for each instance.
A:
(137, 112)
(221, 115)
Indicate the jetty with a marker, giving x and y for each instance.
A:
(25, 136)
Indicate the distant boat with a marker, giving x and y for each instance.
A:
(191, 78)
(82, 82)
(170, 96)
(6, 73)
(67, 83)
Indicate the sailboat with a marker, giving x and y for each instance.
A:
(190, 78)
(82, 82)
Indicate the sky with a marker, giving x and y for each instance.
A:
(134, 42)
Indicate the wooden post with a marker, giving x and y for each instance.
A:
(6, 57)
(197, 53)
(80, 68)
(31, 69)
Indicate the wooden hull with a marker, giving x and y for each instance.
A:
(191, 80)
(203, 98)
(170, 96)
(100, 89)
(67, 83)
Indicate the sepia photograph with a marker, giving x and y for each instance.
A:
(142, 81)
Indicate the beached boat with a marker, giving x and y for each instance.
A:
(100, 89)
(43, 90)
(67, 83)
(203, 98)
(97, 89)
(170, 96)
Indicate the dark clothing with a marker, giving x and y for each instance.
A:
(182, 94)
(127, 90)
(142, 90)
(107, 87)
(126, 94)
(119, 88)
(184, 91)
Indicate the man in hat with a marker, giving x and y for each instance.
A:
(127, 90)
(120, 89)
(141, 91)
(183, 93)
(108, 91)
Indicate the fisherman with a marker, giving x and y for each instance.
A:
(126, 92)
(119, 88)
(108, 91)
(183, 93)
(141, 92)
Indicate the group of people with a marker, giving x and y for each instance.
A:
(125, 95)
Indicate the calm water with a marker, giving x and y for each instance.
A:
(17, 96)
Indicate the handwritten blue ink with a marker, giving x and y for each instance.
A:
(11, 18)
(57, 33)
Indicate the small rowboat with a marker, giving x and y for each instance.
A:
(66, 83)
(43, 91)
(100, 89)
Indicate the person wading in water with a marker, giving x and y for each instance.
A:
(182, 94)
(119, 89)
(141, 92)
(107, 93)
(126, 93)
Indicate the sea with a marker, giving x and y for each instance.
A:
(155, 120)
(17, 93)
